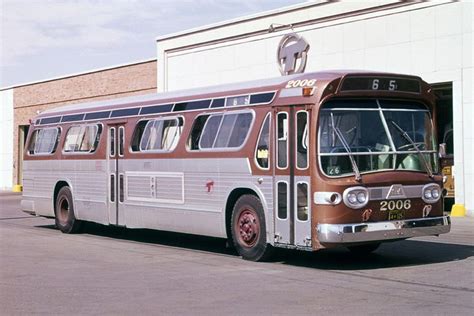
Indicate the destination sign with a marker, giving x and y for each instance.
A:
(380, 84)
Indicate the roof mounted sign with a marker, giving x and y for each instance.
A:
(292, 54)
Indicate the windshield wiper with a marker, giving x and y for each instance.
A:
(408, 138)
(347, 148)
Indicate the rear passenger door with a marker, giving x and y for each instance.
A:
(292, 176)
(115, 173)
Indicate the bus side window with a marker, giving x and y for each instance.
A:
(137, 135)
(209, 132)
(302, 140)
(196, 131)
(161, 134)
(282, 141)
(82, 138)
(262, 152)
(44, 141)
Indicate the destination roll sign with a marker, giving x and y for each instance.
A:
(362, 83)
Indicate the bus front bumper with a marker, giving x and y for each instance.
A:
(382, 231)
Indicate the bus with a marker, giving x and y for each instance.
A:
(305, 161)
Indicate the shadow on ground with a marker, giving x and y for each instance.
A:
(394, 254)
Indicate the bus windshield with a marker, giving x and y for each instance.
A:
(361, 136)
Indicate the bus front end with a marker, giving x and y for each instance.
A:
(378, 175)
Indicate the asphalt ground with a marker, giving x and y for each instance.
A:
(112, 271)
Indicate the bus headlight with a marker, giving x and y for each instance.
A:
(431, 193)
(356, 197)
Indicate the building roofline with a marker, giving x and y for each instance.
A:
(143, 61)
(294, 7)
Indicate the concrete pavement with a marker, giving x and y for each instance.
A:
(108, 270)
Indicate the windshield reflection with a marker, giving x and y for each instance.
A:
(375, 144)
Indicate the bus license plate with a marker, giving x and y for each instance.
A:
(395, 215)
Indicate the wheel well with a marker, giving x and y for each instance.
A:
(231, 200)
(58, 187)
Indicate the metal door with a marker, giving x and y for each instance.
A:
(116, 181)
(292, 176)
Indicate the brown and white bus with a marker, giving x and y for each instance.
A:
(305, 161)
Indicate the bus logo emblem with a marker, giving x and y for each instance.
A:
(396, 191)
(292, 54)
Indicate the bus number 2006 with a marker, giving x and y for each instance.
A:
(395, 205)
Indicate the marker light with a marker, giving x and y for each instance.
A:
(308, 91)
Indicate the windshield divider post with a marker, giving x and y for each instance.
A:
(347, 148)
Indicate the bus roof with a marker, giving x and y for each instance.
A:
(210, 93)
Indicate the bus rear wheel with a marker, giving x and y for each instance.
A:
(65, 220)
(249, 229)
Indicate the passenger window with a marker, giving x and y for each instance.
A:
(282, 196)
(302, 200)
(161, 134)
(44, 141)
(282, 144)
(196, 132)
(226, 130)
(82, 139)
(302, 140)
(137, 135)
(262, 152)
(210, 131)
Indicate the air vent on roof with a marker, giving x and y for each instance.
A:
(163, 108)
(192, 105)
(218, 103)
(97, 115)
(261, 98)
(125, 112)
(51, 120)
(73, 118)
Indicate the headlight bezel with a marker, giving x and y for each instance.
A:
(431, 187)
(355, 191)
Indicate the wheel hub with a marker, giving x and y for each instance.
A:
(63, 210)
(248, 227)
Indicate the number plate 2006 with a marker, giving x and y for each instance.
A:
(395, 208)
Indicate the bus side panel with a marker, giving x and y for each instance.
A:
(85, 177)
(183, 195)
(89, 188)
(39, 178)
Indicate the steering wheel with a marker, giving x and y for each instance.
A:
(417, 144)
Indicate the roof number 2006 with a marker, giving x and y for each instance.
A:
(300, 83)
(395, 205)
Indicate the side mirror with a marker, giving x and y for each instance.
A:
(442, 150)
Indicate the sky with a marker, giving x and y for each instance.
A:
(41, 39)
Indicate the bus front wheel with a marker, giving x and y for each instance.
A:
(65, 220)
(249, 230)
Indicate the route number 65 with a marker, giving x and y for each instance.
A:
(392, 85)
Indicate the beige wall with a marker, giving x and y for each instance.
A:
(112, 83)
(431, 39)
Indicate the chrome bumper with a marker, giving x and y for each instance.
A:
(381, 231)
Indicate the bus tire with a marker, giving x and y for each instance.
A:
(249, 229)
(65, 220)
(363, 249)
